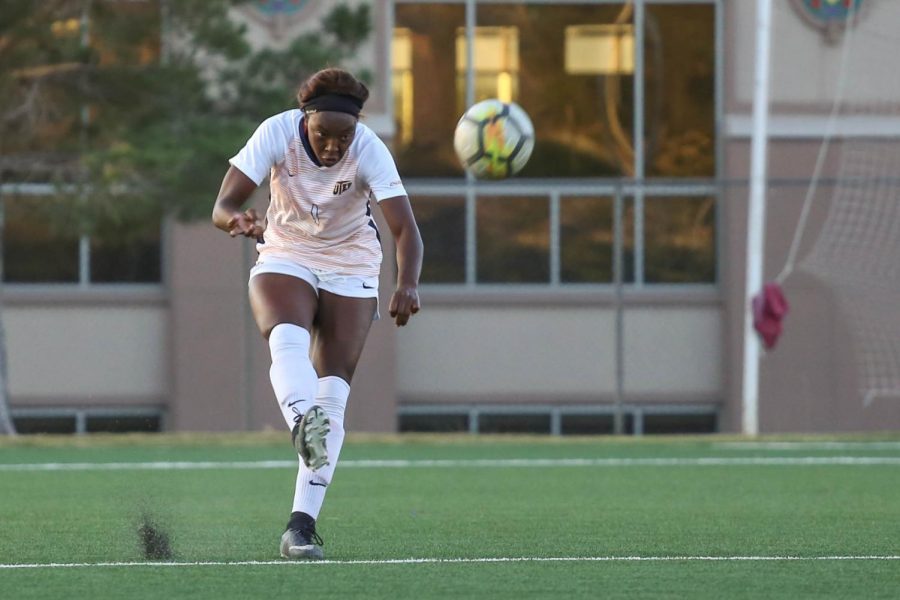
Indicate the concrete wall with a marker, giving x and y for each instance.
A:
(109, 350)
(552, 353)
(806, 70)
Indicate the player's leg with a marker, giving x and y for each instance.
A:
(284, 307)
(342, 325)
(300, 540)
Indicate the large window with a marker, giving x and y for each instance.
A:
(623, 98)
(40, 247)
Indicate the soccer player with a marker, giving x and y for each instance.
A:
(318, 266)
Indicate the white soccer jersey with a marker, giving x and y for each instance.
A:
(320, 216)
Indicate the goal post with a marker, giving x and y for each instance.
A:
(756, 216)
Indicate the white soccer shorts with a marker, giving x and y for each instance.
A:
(350, 286)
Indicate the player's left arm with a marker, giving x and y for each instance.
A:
(399, 216)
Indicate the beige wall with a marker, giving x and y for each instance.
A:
(488, 351)
(674, 351)
(546, 353)
(97, 354)
(806, 71)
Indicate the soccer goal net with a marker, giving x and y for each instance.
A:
(848, 232)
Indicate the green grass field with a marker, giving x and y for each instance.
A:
(708, 517)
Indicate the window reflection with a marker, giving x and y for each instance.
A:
(586, 240)
(679, 240)
(131, 258)
(496, 58)
(442, 223)
(402, 84)
(679, 108)
(425, 103)
(33, 250)
(600, 49)
(513, 240)
(40, 245)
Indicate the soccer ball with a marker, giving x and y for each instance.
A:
(494, 139)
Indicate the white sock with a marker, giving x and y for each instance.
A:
(311, 485)
(294, 379)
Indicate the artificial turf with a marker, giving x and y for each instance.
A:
(773, 522)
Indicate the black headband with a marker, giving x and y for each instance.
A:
(333, 102)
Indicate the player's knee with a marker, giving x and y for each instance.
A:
(286, 334)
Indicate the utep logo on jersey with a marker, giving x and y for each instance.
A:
(341, 186)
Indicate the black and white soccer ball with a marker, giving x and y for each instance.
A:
(494, 139)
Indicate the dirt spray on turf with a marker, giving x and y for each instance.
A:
(155, 542)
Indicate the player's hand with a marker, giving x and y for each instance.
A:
(246, 223)
(404, 303)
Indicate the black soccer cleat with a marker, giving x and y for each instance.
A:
(300, 540)
(308, 437)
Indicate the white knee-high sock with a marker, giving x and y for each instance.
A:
(311, 485)
(294, 379)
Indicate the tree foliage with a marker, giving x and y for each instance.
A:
(133, 108)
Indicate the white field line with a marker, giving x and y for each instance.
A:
(418, 561)
(807, 445)
(473, 463)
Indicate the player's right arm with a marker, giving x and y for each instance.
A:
(249, 168)
(227, 214)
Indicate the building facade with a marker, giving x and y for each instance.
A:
(601, 290)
